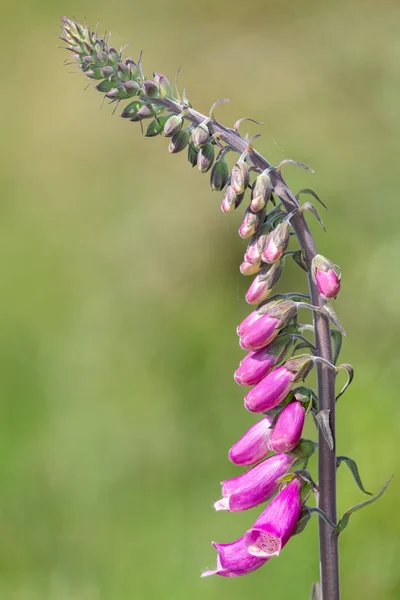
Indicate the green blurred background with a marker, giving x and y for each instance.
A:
(120, 294)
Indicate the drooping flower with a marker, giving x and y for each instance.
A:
(262, 326)
(325, 276)
(287, 430)
(234, 560)
(276, 525)
(276, 243)
(254, 486)
(257, 364)
(277, 384)
(262, 284)
(253, 445)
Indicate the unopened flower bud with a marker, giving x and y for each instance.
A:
(276, 525)
(150, 88)
(258, 363)
(256, 246)
(192, 154)
(325, 276)
(240, 177)
(107, 72)
(231, 200)
(131, 88)
(163, 84)
(253, 445)
(173, 125)
(146, 111)
(262, 326)
(205, 157)
(254, 486)
(288, 428)
(113, 56)
(130, 111)
(277, 384)
(133, 68)
(263, 283)
(276, 243)
(248, 268)
(251, 223)
(261, 192)
(200, 135)
(179, 141)
(123, 71)
(219, 175)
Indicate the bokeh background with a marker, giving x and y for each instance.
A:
(120, 295)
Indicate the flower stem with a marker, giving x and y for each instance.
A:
(328, 543)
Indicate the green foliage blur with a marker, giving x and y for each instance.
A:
(120, 295)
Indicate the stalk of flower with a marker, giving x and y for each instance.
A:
(254, 486)
(123, 79)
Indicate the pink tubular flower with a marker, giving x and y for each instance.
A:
(254, 486)
(325, 276)
(256, 246)
(288, 428)
(263, 325)
(253, 445)
(276, 525)
(276, 385)
(248, 268)
(234, 560)
(258, 363)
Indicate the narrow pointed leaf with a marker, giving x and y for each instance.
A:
(311, 208)
(323, 515)
(354, 470)
(322, 418)
(337, 344)
(346, 516)
(350, 378)
(299, 258)
(289, 161)
(305, 516)
(328, 310)
(313, 194)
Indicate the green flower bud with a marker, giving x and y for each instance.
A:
(131, 88)
(200, 135)
(240, 177)
(102, 57)
(146, 111)
(150, 88)
(163, 84)
(107, 72)
(173, 125)
(192, 155)
(133, 68)
(261, 192)
(179, 141)
(113, 56)
(131, 110)
(219, 175)
(123, 71)
(205, 158)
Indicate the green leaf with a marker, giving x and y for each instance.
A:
(328, 310)
(322, 418)
(346, 516)
(156, 127)
(311, 208)
(105, 86)
(350, 378)
(337, 344)
(299, 258)
(354, 470)
(313, 194)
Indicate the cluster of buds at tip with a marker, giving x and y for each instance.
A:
(267, 332)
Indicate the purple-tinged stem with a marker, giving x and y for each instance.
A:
(328, 543)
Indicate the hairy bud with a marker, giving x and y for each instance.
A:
(205, 158)
(173, 125)
(179, 141)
